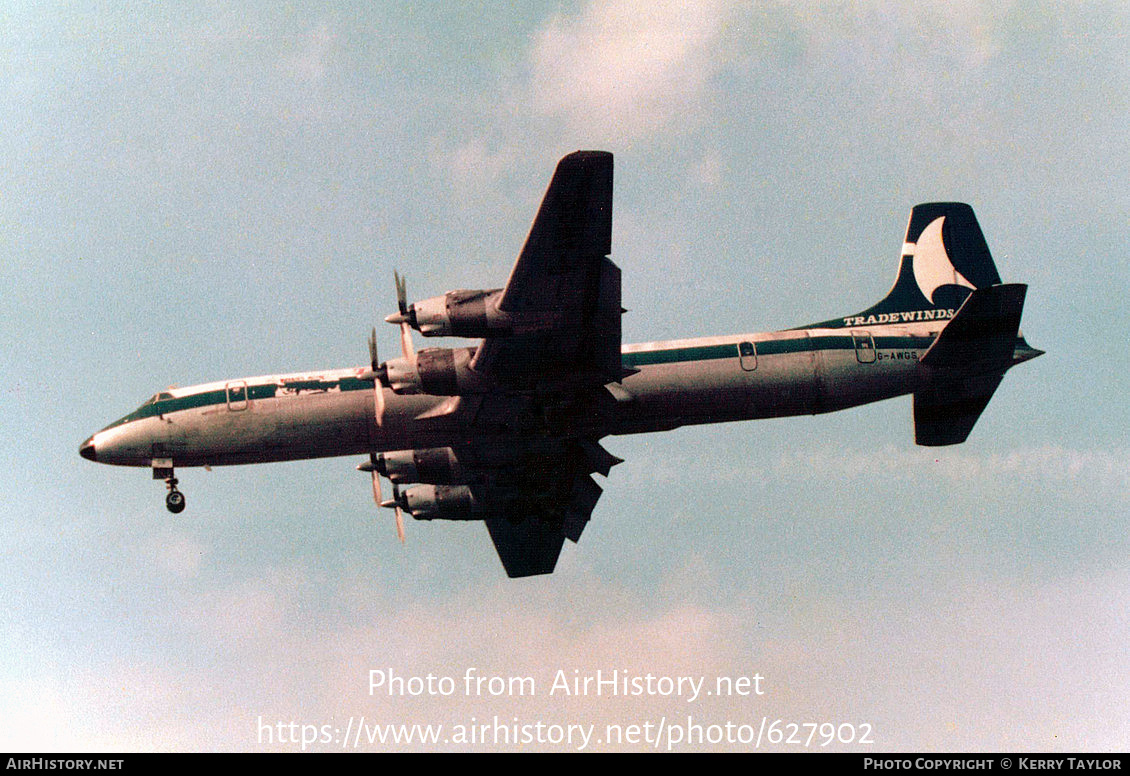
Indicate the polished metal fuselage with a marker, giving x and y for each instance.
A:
(674, 383)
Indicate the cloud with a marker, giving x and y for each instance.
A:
(1008, 653)
(472, 168)
(609, 75)
(627, 69)
(311, 57)
(1051, 465)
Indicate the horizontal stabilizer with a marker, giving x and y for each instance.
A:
(945, 413)
(968, 362)
(981, 338)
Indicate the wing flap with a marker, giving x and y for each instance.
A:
(581, 504)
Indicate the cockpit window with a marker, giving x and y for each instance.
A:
(162, 396)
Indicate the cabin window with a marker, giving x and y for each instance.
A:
(237, 396)
(747, 356)
(864, 347)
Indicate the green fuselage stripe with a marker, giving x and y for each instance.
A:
(630, 360)
(767, 348)
(220, 396)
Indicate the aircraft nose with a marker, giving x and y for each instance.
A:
(86, 449)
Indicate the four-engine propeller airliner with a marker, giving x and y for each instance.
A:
(508, 431)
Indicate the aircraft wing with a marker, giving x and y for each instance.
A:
(526, 548)
(564, 292)
(564, 295)
(542, 503)
(541, 496)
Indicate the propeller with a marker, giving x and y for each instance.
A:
(395, 502)
(404, 318)
(407, 313)
(374, 468)
(378, 387)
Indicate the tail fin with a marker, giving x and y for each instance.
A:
(947, 274)
(944, 258)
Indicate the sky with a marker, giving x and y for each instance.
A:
(196, 192)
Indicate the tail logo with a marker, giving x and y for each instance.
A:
(932, 265)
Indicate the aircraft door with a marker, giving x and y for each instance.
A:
(864, 347)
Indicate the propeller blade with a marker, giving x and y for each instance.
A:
(378, 402)
(406, 345)
(401, 292)
(377, 495)
(394, 503)
(378, 389)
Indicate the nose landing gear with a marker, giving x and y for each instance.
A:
(175, 501)
(163, 470)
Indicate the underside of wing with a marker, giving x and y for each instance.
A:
(526, 548)
(529, 537)
(564, 292)
(528, 402)
(564, 297)
(532, 491)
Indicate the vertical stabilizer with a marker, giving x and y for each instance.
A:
(944, 258)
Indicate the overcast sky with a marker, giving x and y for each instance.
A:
(192, 193)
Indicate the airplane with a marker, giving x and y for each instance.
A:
(507, 431)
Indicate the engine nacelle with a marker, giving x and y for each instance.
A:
(458, 314)
(441, 502)
(437, 372)
(435, 466)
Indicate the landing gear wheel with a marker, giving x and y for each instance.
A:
(175, 502)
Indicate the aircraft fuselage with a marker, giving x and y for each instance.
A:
(680, 382)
